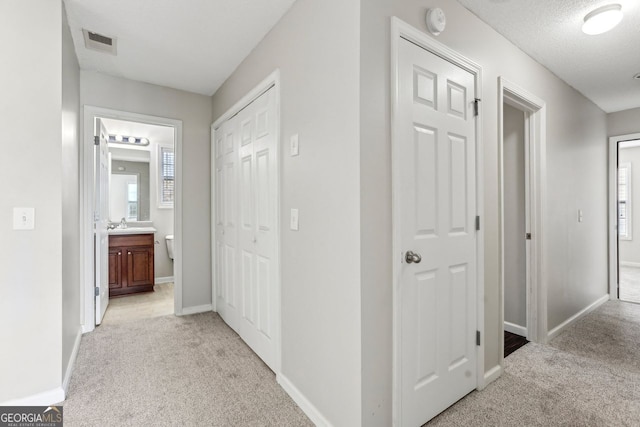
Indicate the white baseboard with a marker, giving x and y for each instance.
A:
(629, 264)
(71, 363)
(515, 329)
(46, 398)
(491, 375)
(196, 309)
(558, 329)
(161, 280)
(307, 407)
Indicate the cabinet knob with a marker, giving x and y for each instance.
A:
(129, 252)
(119, 253)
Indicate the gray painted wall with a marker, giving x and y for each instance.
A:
(71, 289)
(623, 122)
(515, 286)
(31, 291)
(195, 112)
(576, 179)
(315, 46)
(630, 249)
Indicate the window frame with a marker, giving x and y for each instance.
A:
(162, 204)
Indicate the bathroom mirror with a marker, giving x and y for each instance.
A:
(129, 187)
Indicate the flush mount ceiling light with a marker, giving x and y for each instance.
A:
(602, 19)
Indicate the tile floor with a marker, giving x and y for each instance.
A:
(140, 306)
(630, 284)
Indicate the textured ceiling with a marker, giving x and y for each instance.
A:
(600, 67)
(193, 45)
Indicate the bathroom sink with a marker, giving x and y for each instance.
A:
(133, 230)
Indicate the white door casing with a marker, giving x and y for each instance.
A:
(246, 224)
(437, 301)
(101, 221)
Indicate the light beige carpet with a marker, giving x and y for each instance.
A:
(174, 371)
(588, 376)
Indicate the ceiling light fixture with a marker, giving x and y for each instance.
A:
(602, 19)
(128, 140)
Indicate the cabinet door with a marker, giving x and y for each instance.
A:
(115, 268)
(139, 266)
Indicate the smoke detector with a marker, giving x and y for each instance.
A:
(99, 42)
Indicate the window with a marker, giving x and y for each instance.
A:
(132, 201)
(167, 168)
(624, 201)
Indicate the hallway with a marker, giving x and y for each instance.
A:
(169, 371)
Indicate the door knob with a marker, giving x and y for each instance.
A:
(412, 257)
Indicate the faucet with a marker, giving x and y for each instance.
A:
(123, 223)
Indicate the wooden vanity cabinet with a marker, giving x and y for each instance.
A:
(131, 267)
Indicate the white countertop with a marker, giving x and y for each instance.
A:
(133, 230)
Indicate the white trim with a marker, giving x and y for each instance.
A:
(301, 400)
(272, 80)
(629, 264)
(45, 398)
(535, 165)
(161, 280)
(491, 375)
(515, 329)
(197, 309)
(558, 329)
(632, 143)
(629, 198)
(613, 210)
(87, 193)
(72, 362)
(400, 29)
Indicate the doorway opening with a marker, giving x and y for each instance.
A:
(624, 165)
(521, 151)
(131, 216)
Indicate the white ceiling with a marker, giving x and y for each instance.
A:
(193, 45)
(600, 67)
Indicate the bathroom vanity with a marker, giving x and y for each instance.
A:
(131, 265)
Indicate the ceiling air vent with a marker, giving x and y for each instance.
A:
(95, 41)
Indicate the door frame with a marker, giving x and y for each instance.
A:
(613, 210)
(273, 80)
(402, 30)
(90, 112)
(534, 109)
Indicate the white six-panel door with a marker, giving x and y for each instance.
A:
(246, 224)
(436, 211)
(101, 221)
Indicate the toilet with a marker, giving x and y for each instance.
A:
(169, 240)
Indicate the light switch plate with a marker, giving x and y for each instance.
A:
(294, 219)
(24, 218)
(295, 148)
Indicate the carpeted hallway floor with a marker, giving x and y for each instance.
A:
(174, 371)
(195, 371)
(589, 376)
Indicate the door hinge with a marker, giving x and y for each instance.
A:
(96, 140)
(477, 337)
(97, 291)
(478, 223)
(476, 106)
(527, 236)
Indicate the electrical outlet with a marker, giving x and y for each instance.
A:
(24, 218)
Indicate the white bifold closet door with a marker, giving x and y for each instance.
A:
(246, 224)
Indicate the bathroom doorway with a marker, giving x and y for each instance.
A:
(140, 260)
